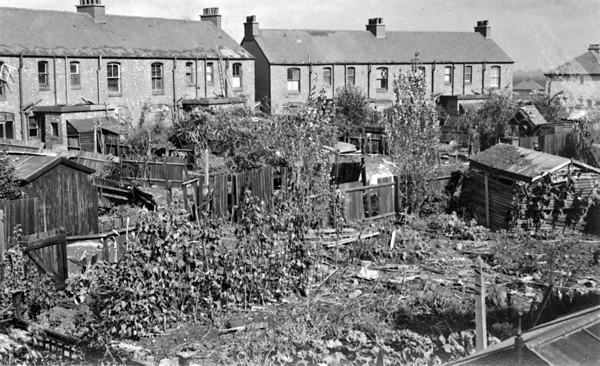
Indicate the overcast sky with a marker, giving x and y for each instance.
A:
(535, 33)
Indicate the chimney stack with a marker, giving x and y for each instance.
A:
(211, 15)
(93, 8)
(484, 28)
(251, 29)
(594, 47)
(376, 27)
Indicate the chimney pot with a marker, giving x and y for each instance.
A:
(251, 28)
(483, 27)
(211, 15)
(594, 47)
(376, 27)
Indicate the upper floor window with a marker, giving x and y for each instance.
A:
(43, 77)
(382, 78)
(189, 73)
(468, 75)
(495, 77)
(293, 80)
(350, 76)
(327, 76)
(237, 76)
(448, 77)
(209, 73)
(7, 121)
(75, 75)
(157, 78)
(113, 77)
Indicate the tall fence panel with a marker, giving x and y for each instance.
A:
(368, 202)
(154, 171)
(555, 144)
(26, 212)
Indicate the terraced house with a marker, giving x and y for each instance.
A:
(289, 63)
(58, 66)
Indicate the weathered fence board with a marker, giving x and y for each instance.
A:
(25, 212)
(153, 171)
(49, 252)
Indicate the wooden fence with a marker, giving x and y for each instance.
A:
(49, 252)
(26, 212)
(166, 171)
(227, 190)
(555, 144)
(369, 202)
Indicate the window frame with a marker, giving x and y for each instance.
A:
(157, 78)
(382, 79)
(493, 77)
(448, 76)
(238, 66)
(54, 129)
(469, 72)
(33, 124)
(353, 76)
(111, 76)
(327, 77)
(189, 73)
(45, 75)
(209, 71)
(291, 81)
(7, 119)
(75, 77)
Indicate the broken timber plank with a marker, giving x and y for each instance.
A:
(351, 240)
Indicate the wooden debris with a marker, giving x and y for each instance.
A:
(256, 326)
(353, 239)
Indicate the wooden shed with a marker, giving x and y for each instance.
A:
(92, 134)
(507, 185)
(67, 197)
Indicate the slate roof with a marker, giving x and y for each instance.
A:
(87, 124)
(570, 340)
(521, 163)
(528, 85)
(282, 46)
(585, 64)
(59, 33)
(30, 167)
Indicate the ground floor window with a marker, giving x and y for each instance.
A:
(7, 121)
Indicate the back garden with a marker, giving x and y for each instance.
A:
(291, 281)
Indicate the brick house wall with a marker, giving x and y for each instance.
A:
(136, 84)
(279, 96)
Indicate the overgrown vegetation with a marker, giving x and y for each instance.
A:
(9, 189)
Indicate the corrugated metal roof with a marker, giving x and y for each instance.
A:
(519, 162)
(585, 64)
(87, 124)
(528, 85)
(570, 340)
(58, 33)
(30, 167)
(337, 46)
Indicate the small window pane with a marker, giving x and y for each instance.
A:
(327, 76)
(351, 76)
(189, 73)
(468, 75)
(382, 78)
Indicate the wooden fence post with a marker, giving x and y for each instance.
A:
(480, 316)
(487, 200)
(169, 193)
(2, 238)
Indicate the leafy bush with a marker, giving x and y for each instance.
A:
(455, 227)
(9, 189)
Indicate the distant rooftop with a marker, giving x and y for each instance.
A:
(58, 33)
(286, 46)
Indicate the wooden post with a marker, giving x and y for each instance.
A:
(169, 193)
(18, 304)
(487, 200)
(2, 239)
(206, 174)
(480, 316)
